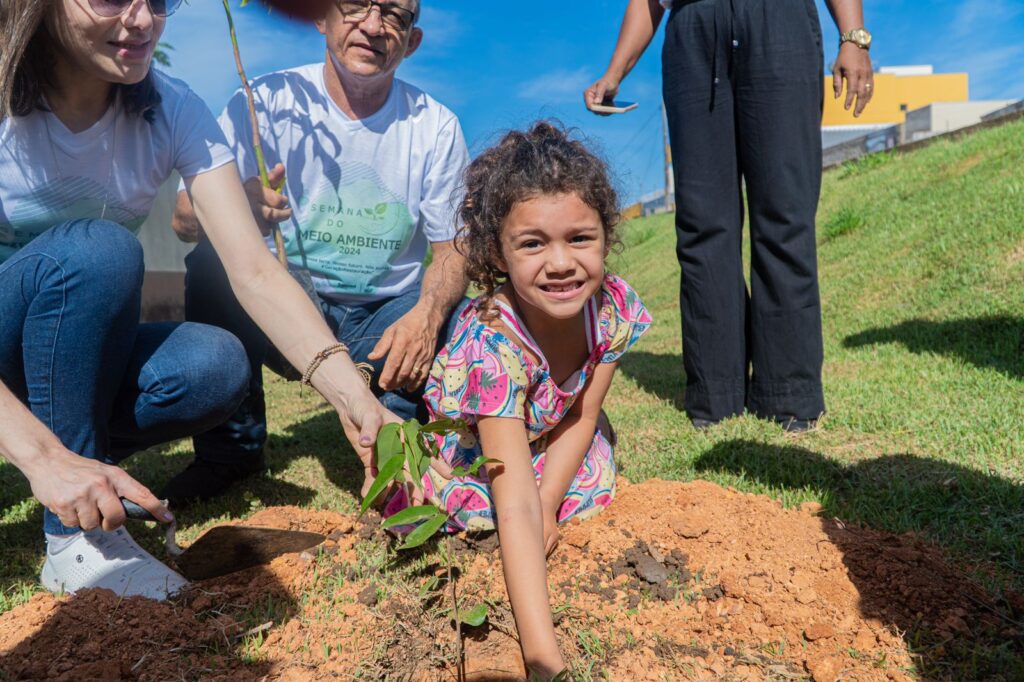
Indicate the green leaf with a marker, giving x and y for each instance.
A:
(413, 450)
(428, 586)
(475, 617)
(443, 425)
(388, 443)
(410, 515)
(425, 531)
(459, 472)
(385, 474)
(479, 462)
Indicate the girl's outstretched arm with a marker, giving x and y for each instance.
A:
(567, 447)
(518, 510)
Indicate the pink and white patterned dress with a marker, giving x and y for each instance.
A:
(482, 372)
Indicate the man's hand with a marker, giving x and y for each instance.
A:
(87, 494)
(601, 92)
(269, 206)
(853, 65)
(409, 345)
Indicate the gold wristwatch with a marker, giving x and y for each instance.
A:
(858, 36)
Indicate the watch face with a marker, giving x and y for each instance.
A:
(861, 37)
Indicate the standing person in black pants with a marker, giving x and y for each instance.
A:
(743, 92)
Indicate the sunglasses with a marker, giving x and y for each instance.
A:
(115, 8)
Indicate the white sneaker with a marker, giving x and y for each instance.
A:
(114, 561)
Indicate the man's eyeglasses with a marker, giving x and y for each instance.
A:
(392, 15)
(115, 8)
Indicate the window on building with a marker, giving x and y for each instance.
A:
(903, 107)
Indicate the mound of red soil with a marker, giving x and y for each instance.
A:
(685, 581)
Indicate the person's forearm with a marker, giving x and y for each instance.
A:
(25, 441)
(566, 450)
(848, 14)
(521, 531)
(444, 282)
(573, 437)
(638, 26)
(271, 297)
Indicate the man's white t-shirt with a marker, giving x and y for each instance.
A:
(113, 170)
(367, 195)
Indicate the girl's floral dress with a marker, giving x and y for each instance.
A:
(482, 372)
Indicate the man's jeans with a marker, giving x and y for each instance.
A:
(72, 348)
(209, 300)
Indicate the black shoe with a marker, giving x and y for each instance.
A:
(703, 424)
(202, 480)
(794, 425)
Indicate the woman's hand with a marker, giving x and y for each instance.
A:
(602, 91)
(853, 65)
(82, 492)
(361, 419)
(87, 494)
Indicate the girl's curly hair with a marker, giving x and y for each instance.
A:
(543, 160)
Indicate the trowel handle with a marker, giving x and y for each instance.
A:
(137, 513)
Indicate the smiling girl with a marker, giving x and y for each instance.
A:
(88, 133)
(531, 361)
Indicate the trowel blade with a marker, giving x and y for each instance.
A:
(226, 549)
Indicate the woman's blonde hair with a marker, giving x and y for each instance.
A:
(26, 63)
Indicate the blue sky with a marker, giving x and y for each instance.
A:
(500, 65)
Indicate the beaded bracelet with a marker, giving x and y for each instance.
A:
(364, 368)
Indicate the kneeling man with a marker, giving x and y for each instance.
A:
(370, 167)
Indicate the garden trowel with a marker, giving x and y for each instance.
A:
(226, 549)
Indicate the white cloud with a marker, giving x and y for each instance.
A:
(558, 86)
(973, 16)
(442, 30)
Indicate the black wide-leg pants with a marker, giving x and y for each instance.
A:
(743, 92)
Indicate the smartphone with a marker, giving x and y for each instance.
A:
(616, 107)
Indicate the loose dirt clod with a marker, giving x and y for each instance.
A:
(762, 593)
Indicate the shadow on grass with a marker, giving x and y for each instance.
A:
(959, 629)
(660, 374)
(996, 342)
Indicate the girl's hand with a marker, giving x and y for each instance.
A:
(550, 532)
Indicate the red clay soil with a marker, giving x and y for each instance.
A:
(674, 581)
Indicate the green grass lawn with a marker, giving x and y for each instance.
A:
(922, 273)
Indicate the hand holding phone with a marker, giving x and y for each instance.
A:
(613, 107)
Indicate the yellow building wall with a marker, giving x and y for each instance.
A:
(892, 91)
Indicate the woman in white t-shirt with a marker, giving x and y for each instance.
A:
(88, 133)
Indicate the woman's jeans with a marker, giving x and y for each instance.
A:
(72, 348)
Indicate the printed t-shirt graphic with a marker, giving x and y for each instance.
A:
(368, 195)
(353, 229)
